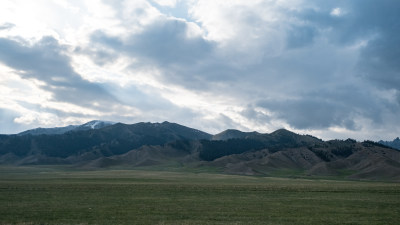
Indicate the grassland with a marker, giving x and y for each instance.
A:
(40, 195)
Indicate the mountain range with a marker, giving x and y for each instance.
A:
(394, 144)
(100, 144)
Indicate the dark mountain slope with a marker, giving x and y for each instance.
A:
(232, 134)
(49, 131)
(394, 144)
(94, 124)
(357, 160)
(280, 139)
(143, 156)
(338, 158)
(111, 140)
(166, 144)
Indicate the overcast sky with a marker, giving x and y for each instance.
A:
(328, 68)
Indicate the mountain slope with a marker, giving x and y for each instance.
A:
(94, 124)
(232, 134)
(394, 144)
(356, 160)
(280, 139)
(338, 158)
(49, 131)
(165, 144)
(269, 154)
(89, 144)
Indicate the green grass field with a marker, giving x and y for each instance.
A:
(40, 195)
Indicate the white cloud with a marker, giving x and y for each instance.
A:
(244, 30)
(168, 3)
(336, 12)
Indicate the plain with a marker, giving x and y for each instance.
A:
(58, 195)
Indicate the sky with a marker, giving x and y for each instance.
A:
(326, 68)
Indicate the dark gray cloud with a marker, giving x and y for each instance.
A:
(255, 116)
(380, 59)
(376, 23)
(301, 36)
(344, 99)
(184, 60)
(164, 42)
(100, 56)
(46, 62)
(323, 109)
(311, 113)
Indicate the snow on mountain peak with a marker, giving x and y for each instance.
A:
(97, 124)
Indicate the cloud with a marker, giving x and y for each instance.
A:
(71, 97)
(6, 121)
(168, 3)
(163, 42)
(6, 26)
(301, 36)
(44, 61)
(321, 109)
(372, 26)
(168, 45)
(301, 65)
(379, 58)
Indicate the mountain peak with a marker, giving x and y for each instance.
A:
(96, 124)
(283, 131)
(232, 133)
